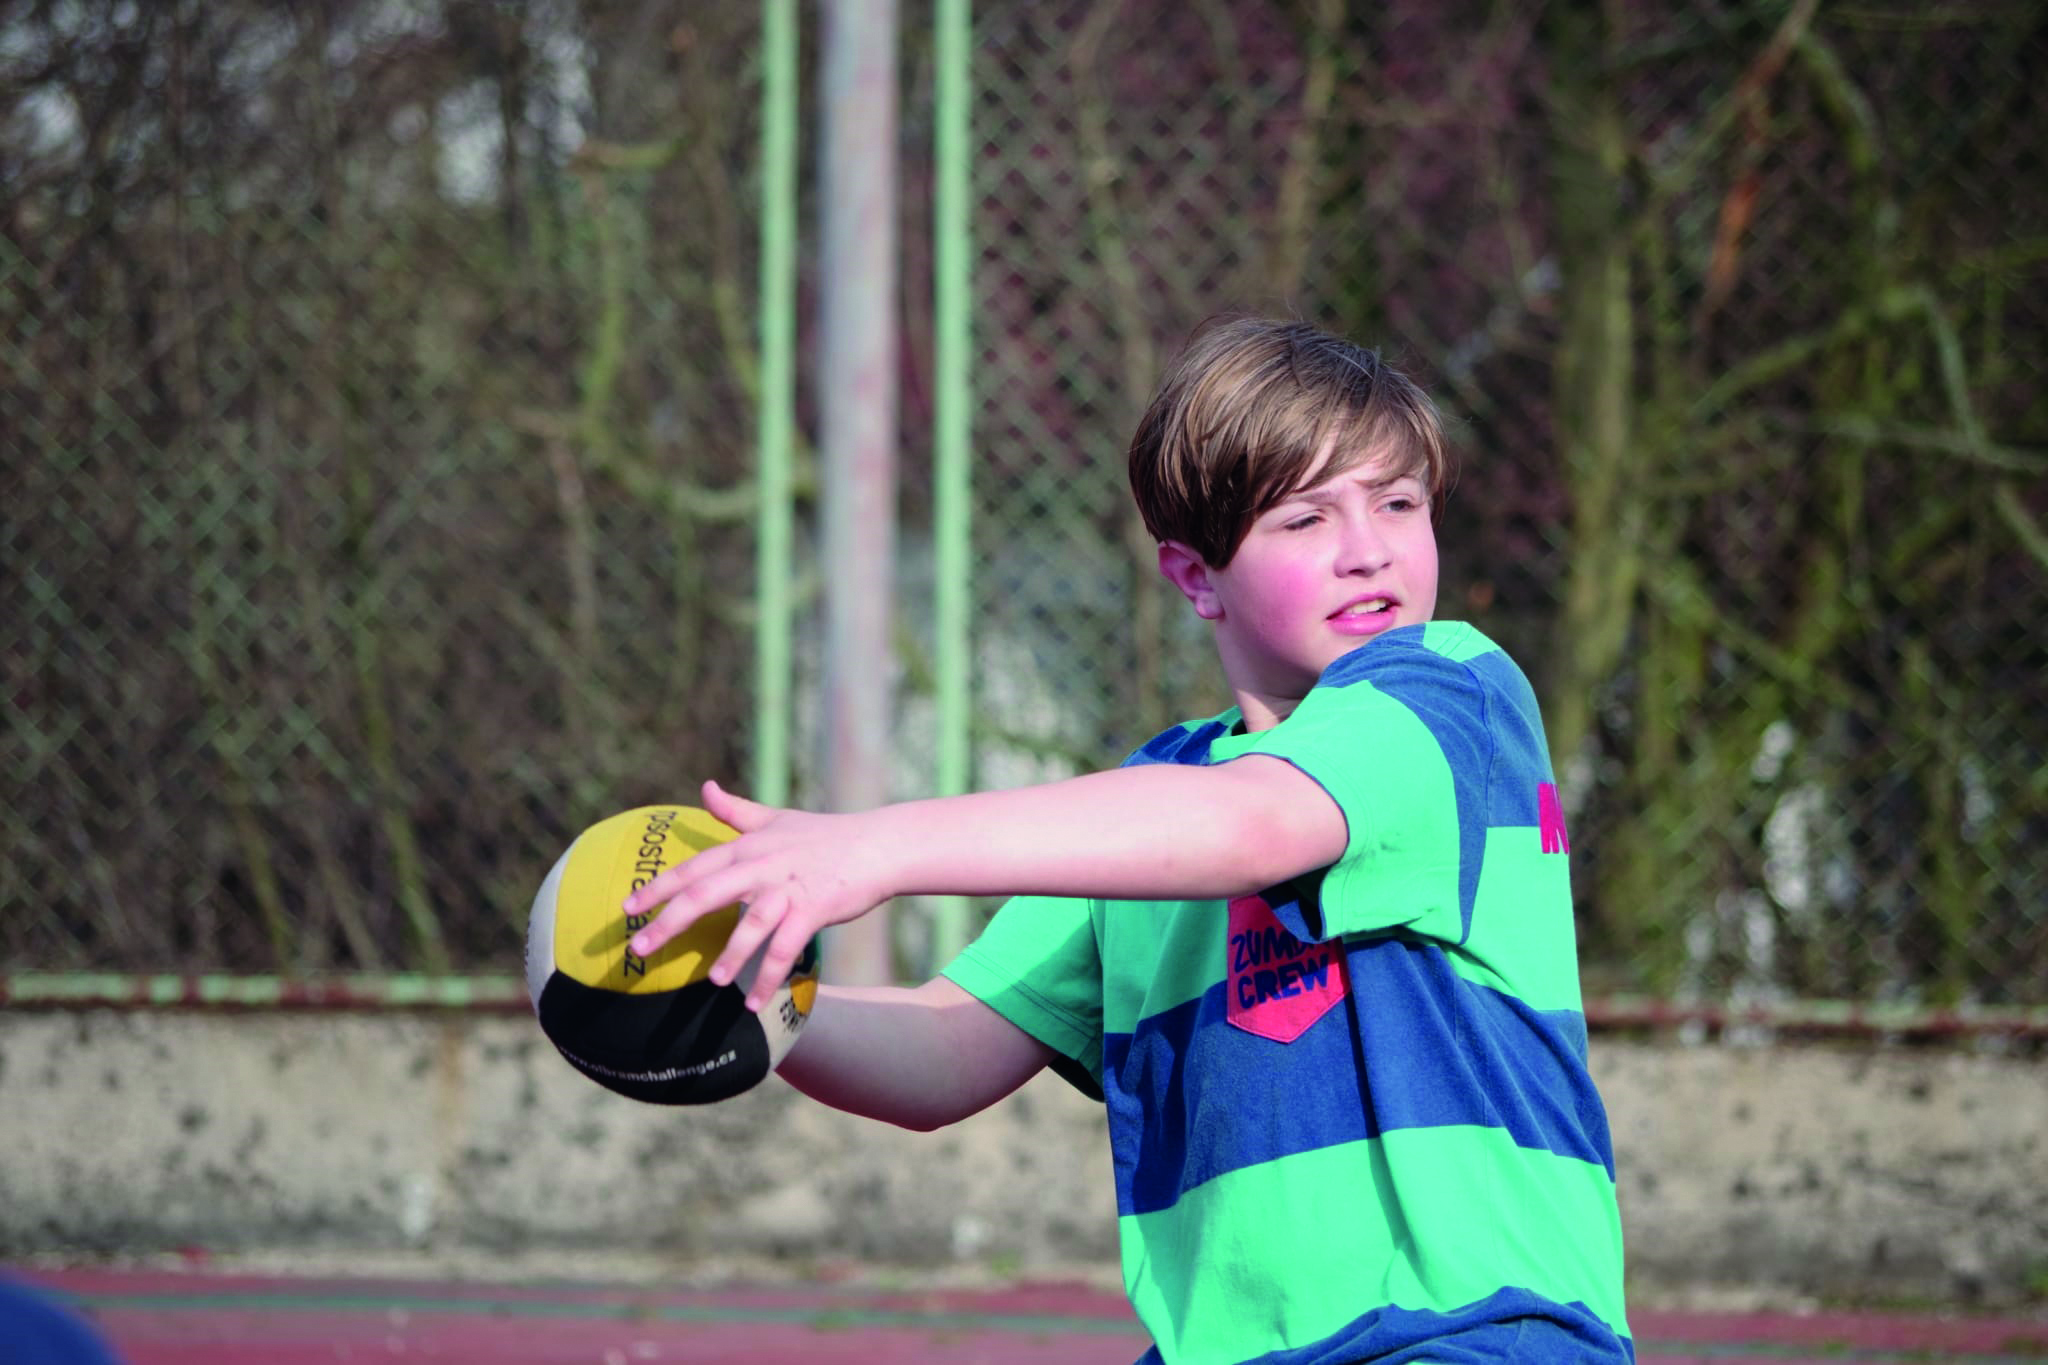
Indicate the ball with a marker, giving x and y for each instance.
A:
(655, 1029)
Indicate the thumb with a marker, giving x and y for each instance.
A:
(743, 815)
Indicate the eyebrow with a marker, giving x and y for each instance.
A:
(1321, 496)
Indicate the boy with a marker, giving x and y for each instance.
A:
(1316, 952)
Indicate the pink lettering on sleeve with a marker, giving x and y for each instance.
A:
(1550, 816)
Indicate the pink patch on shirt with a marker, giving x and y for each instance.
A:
(1277, 985)
(1550, 818)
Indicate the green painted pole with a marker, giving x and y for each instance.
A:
(776, 420)
(952, 512)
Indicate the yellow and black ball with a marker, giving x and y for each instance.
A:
(655, 1029)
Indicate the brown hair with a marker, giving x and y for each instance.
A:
(1244, 412)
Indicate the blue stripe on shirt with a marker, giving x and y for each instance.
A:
(1521, 1070)
(1187, 744)
(1512, 1324)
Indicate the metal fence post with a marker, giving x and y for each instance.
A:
(857, 381)
(777, 402)
(952, 418)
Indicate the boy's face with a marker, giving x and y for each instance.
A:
(1324, 571)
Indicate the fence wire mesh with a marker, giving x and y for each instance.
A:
(376, 383)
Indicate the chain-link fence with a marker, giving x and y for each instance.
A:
(1747, 376)
(376, 512)
(378, 415)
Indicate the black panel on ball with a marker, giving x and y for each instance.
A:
(698, 1044)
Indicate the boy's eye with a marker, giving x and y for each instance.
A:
(1301, 522)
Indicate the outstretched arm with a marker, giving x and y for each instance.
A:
(1160, 832)
(919, 1058)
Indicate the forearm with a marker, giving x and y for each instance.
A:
(918, 1058)
(1163, 832)
(1160, 832)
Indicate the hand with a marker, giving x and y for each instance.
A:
(794, 873)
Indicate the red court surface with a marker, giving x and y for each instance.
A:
(155, 1317)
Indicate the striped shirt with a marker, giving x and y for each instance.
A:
(1351, 1116)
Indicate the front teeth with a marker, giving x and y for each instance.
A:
(1365, 608)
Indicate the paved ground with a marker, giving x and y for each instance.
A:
(160, 1317)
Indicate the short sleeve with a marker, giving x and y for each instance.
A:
(1398, 737)
(1038, 965)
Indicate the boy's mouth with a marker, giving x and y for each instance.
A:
(1365, 616)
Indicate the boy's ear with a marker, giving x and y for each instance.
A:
(1185, 570)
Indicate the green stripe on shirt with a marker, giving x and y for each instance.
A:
(1552, 1231)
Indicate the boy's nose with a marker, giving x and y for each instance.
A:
(1362, 549)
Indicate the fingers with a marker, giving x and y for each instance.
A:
(741, 871)
(754, 925)
(743, 815)
(690, 898)
(791, 934)
(771, 921)
(669, 883)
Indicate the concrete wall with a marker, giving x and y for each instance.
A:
(1780, 1171)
